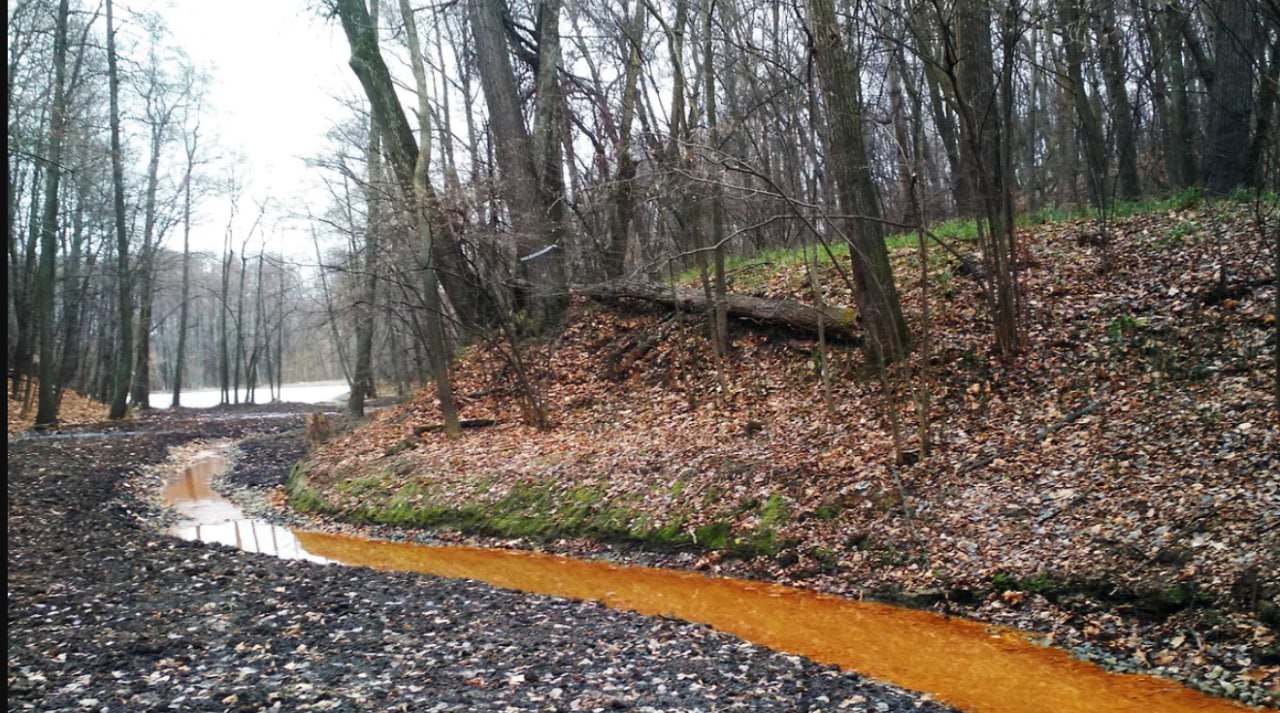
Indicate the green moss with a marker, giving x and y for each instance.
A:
(1040, 583)
(714, 536)
(754, 543)
(301, 495)
(828, 511)
(824, 556)
(671, 535)
(774, 510)
(363, 485)
(534, 511)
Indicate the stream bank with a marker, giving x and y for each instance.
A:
(107, 614)
(1061, 611)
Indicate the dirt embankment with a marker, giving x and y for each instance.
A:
(1117, 485)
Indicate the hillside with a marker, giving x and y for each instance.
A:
(1117, 486)
(75, 409)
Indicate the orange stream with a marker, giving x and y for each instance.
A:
(975, 667)
(965, 663)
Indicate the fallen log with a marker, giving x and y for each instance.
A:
(839, 323)
(464, 423)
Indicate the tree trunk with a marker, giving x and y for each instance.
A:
(1226, 166)
(837, 322)
(456, 275)
(184, 307)
(363, 309)
(982, 117)
(74, 292)
(436, 349)
(719, 324)
(524, 162)
(47, 409)
(1072, 25)
(141, 393)
(124, 356)
(874, 287)
(1182, 126)
(1264, 128)
(224, 309)
(902, 148)
(1111, 53)
(623, 207)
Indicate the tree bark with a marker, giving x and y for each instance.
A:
(971, 63)
(159, 116)
(124, 295)
(1226, 165)
(874, 287)
(838, 322)
(623, 206)
(191, 142)
(47, 408)
(1111, 53)
(1264, 126)
(525, 162)
(363, 310)
(1071, 22)
(1181, 160)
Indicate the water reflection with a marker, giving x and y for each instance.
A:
(208, 517)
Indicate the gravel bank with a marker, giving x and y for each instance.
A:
(105, 614)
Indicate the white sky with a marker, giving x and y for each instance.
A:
(277, 70)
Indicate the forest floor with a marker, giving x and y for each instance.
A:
(106, 613)
(1115, 486)
(74, 409)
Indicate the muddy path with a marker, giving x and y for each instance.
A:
(105, 613)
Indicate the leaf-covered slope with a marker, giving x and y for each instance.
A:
(1130, 452)
(75, 408)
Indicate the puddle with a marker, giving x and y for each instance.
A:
(208, 517)
(967, 664)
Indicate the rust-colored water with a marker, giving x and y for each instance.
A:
(967, 664)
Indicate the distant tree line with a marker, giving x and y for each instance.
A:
(107, 167)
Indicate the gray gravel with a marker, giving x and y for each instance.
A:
(106, 614)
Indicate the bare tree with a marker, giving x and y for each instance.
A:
(436, 350)
(530, 167)
(47, 410)
(124, 357)
(875, 290)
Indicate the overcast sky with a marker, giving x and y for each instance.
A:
(277, 67)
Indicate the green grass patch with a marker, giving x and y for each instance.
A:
(756, 542)
(749, 273)
(363, 485)
(543, 512)
(774, 510)
(824, 556)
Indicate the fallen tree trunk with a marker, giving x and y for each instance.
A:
(464, 423)
(839, 323)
